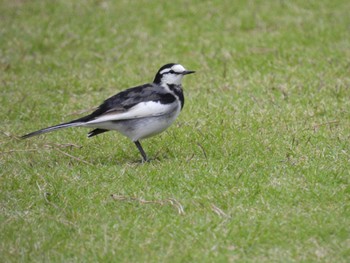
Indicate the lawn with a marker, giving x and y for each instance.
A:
(255, 169)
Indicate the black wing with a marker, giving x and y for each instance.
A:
(129, 98)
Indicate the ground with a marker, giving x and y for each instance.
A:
(255, 169)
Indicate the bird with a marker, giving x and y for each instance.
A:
(138, 112)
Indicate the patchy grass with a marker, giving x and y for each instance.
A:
(256, 168)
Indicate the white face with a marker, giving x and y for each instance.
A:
(173, 75)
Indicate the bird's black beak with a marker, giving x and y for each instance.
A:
(186, 72)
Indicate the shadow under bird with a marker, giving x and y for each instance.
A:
(139, 112)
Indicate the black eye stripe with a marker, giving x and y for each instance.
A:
(171, 72)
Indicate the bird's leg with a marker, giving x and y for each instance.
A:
(144, 156)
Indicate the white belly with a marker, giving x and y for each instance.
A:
(140, 128)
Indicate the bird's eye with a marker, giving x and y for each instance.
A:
(172, 71)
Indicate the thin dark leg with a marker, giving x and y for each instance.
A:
(138, 145)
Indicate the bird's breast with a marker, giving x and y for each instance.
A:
(177, 91)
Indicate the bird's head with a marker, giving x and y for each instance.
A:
(171, 74)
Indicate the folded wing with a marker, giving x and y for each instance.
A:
(139, 102)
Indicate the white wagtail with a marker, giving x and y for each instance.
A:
(139, 112)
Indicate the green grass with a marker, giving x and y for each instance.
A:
(258, 160)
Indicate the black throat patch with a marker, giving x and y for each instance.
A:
(177, 89)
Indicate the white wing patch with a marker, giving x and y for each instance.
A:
(141, 110)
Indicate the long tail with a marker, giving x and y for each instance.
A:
(53, 128)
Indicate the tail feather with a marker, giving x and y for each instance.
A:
(52, 128)
(96, 132)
